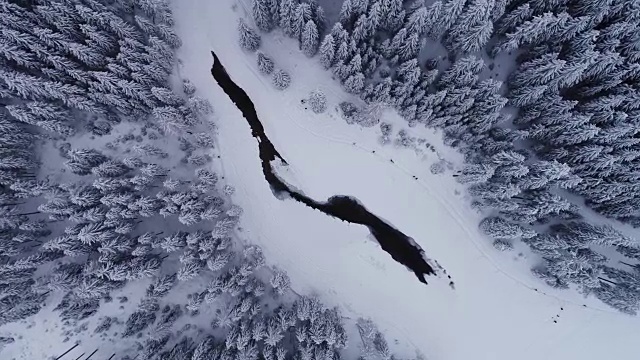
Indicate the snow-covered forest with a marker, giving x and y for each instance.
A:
(107, 191)
(119, 233)
(549, 143)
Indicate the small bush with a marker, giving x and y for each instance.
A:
(281, 79)
(265, 64)
(349, 111)
(318, 101)
(502, 245)
(437, 168)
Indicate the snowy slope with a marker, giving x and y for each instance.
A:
(496, 310)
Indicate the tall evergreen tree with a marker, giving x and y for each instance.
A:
(310, 38)
(263, 15)
(327, 51)
(249, 39)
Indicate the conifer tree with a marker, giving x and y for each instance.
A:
(301, 13)
(309, 39)
(318, 101)
(392, 15)
(327, 51)
(249, 39)
(472, 29)
(281, 79)
(265, 64)
(354, 83)
(262, 14)
(286, 15)
(447, 17)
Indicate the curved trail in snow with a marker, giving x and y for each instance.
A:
(402, 248)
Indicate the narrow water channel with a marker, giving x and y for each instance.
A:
(401, 247)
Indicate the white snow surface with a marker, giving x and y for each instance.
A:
(497, 310)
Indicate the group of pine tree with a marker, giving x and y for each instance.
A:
(560, 134)
(69, 68)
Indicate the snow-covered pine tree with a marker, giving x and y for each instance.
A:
(354, 83)
(560, 27)
(309, 39)
(263, 14)
(301, 14)
(446, 17)
(318, 101)
(347, 14)
(286, 13)
(463, 72)
(327, 51)
(391, 15)
(249, 39)
(513, 18)
(281, 79)
(472, 29)
(499, 228)
(265, 64)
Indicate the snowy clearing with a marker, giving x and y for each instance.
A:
(495, 311)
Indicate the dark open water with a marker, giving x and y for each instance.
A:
(401, 247)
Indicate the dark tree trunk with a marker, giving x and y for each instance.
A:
(30, 213)
(607, 280)
(66, 352)
(635, 266)
(90, 355)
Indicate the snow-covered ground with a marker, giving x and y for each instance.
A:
(497, 310)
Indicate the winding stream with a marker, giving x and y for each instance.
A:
(401, 247)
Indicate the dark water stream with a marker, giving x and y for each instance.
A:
(401, 247)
